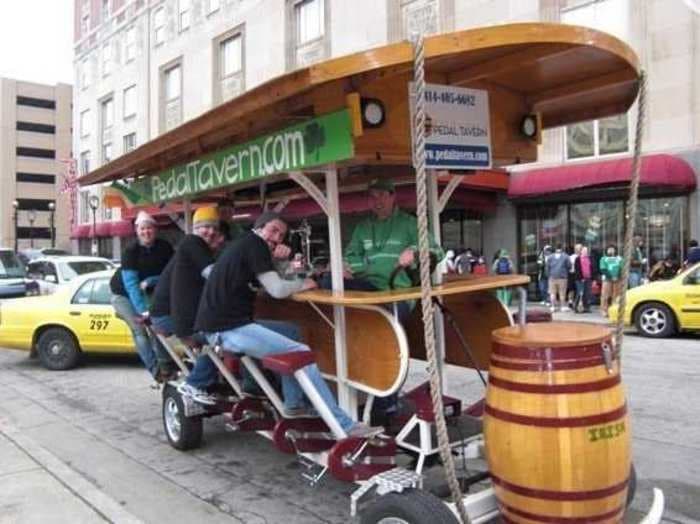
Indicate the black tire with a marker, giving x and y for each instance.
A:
(182, 432)
(411, 507)
(57, 349)
(655, 320)
(631, 486)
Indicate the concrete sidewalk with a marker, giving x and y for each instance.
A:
(39, 488)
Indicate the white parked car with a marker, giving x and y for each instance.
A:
(45, 274)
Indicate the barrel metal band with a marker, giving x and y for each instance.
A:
(564, 520)
(570, 496)
(552, 389)
(557, 422)
(549, 354)
(581, 363)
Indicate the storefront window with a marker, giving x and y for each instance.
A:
(598, 225)
(540, 226)
(661, 224)
(461, 229)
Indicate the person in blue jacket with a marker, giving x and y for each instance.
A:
(142, 263)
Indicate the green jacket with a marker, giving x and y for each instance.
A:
(375, 246)
(611, 267)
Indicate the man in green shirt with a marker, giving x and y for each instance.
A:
(610, 270)
(382, 242)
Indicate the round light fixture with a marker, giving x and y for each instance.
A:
(528, 126)
(373, 113)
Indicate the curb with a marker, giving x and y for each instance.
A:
(82, 489)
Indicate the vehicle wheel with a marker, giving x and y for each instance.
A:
(183, 432)
(57, 349)
(655, 320)
(631, 486)
(410, 507)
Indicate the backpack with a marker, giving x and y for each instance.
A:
(503, 266)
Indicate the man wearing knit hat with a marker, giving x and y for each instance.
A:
(142, 264)
(226, 312)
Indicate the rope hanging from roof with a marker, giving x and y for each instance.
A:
(631, 212)
(425, 283)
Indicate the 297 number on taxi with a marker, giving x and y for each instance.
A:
(98, 325)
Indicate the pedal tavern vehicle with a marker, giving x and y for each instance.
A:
(330, 128)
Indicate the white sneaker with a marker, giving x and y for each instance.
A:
(198, 395)
(362, 430)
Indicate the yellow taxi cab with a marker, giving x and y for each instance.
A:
(663, 308)
(78, 318)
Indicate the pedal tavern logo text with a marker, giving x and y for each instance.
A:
(316, 142)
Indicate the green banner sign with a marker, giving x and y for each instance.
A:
(316, 142)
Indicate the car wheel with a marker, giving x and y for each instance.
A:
(655, 320)
(409, 507)
(183, 432)
(57, 349)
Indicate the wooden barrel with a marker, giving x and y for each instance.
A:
(555, 426)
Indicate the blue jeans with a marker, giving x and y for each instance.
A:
(257, 341)
(204, 373)
(543, 284)
(149, 351)
(583, 293)
(635, 278)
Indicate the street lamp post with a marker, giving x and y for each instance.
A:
(94, 203)
(15, 205)
(52, 213)
(32, 217)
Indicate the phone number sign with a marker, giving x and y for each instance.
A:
(458, 135)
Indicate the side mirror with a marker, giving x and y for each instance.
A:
(51, 278)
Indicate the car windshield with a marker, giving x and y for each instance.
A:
(10, 266)
(70, 270)
(54, 252)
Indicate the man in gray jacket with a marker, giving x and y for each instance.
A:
(558, 267)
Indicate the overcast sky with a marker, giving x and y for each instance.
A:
(36, 40)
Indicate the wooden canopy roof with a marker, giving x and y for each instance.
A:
(565, 73)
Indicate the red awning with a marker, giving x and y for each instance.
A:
(120, 228)
(659, 171)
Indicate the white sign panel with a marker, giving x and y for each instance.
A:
(457, 127)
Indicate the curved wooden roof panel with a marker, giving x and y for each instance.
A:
(566, 73)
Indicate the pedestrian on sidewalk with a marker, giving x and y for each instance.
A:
(542, 275)
(637, 263)
(610, 271)
(558, 266)
(503, 266)
(583, 270)
(571, 280)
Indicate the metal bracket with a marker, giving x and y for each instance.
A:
(446, 194)
(311, 188)
(392, 481)
(608, 357)
(192, 408)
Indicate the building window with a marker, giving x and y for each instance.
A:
(85, 74)
(129, 142)
(35, 152)
(309, 42)
(106, 59)
(172, 96)
(107, 123)
(36, 102)
(85, 123)
(130, 45)
(230, 66)
(36, 128)
(35, 178)
(309, 20)
(184, 14)
(130, 101)
(159, 26)
(597, 137)
(84, 163)
(104, 11)
(84, 207)
(213, 5)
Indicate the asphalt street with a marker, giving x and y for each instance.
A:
(87, 445)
